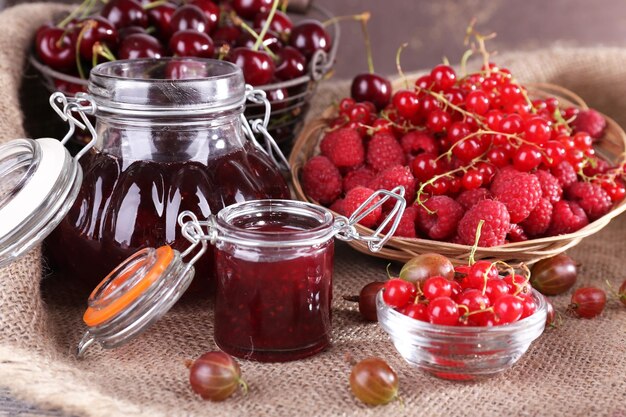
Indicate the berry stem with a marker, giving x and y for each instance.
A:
(72, 15)
(90, 24)
(237, 21)
(479, 228)
(366, 38)
(154, 4)
(266, 26)
(466, 56)
(399, 67)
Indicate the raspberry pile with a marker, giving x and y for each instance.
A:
(467, 148)
(480, 294)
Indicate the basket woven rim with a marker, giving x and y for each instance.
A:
(531, 250)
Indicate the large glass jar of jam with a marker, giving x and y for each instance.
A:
(169, 138)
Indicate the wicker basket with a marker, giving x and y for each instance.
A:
(611, 147)
(287, 117)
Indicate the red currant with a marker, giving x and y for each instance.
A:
(443, 77)
(438, 120)
(424, 167)
(526, 158)
(436, 287)
(508, 309)
(496, 288)
(512, 124)
(554, 153)
(518, 284)
(398, 292)
(529, 304)
(416, 311)
(537, 130)
(443, 310)
(477, 102)
(406, 103)
(472, 179)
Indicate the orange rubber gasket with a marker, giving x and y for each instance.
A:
(95, 317)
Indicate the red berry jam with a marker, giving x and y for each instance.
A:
(274, 280)
(124, 206)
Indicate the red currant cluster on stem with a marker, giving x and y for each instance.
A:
(254, 34)
(466, 148)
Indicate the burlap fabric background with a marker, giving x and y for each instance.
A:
(575, 370)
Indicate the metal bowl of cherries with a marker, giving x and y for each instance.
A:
(283, 54)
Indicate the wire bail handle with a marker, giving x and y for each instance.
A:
(83, 105)
(346, 227)
(251, 127)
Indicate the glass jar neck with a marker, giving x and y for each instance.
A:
(163, 138)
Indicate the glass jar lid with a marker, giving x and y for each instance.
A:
(39, 183)
(171, 86)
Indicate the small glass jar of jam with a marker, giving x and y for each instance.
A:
(274, 268)
(170, 137)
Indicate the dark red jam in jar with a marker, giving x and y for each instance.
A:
(164, 146)
(274, 261)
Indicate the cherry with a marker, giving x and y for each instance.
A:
(508, 309)
(257, 66)
(278, 97)
(96, 30)
(270, 40)
(398, 292)
(526, 158)
(140, 45)
(189, 17)
(56, 48)
(588, 302)
(291, 64)
(191, 43)
(406, 103)
(281, 23)
(122, 13)
(373, 88)
(477, 102)
(226, 35)
(161, 17)
(131, 30)
(554, 276)
(416, 311)
(444, 311)
(308, 36)
(184, 70)
(436, 286)
(211, 11)
(537, 130)
(443, 77)
(248, 9)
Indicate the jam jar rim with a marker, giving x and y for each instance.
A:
(132, 95)
(325, 228)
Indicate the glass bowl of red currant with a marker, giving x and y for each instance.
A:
(461, 351)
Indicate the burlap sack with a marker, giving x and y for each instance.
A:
(575, 370)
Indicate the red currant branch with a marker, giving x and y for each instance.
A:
(480, 40)
(399, 67)
(440, 97)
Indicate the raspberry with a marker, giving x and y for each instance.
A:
(442, 223)
(567, 217)
(392, 177)
(416, 142)
(469, 198)
(344, 147)
(362, 176)
(519, 191)
(384, 151)
(337, 206)
(321, 180)
(357, 196)
(406, 226)
(516, 233)
(589, 121)
(497, 222)
(550, 187)
(591, 197)
(538, 221)
(565, 174)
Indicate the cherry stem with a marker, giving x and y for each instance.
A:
(337, 19)
(387, 269)
(284, 5)
(73, 14)
(90, 24)
(154, 4)
(479, 228)
(366, 38)
(399, 67)
(103, 51)
(266, 26)
(351, 298)
(243, 25)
